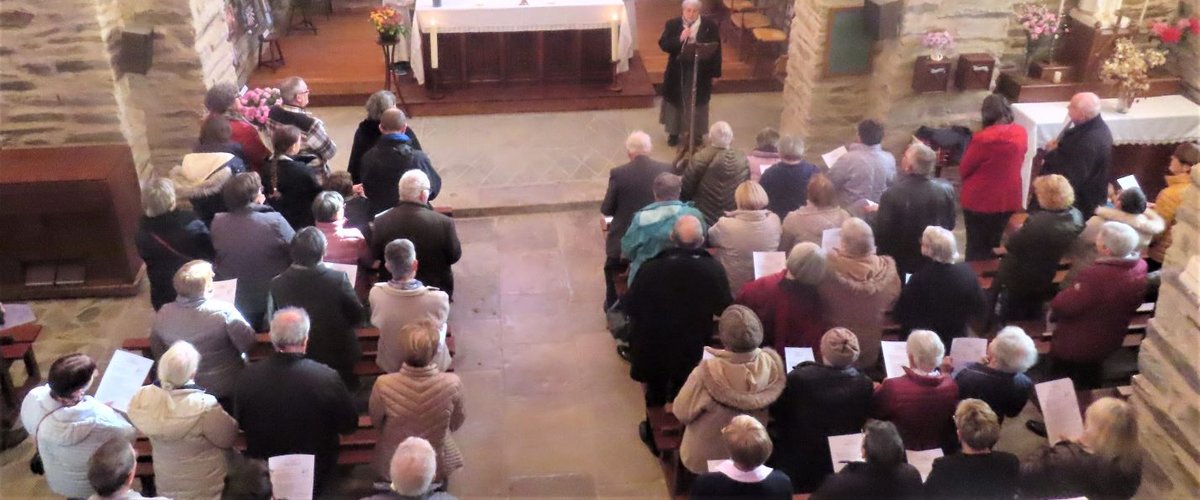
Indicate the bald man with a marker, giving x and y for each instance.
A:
(1083, 153)
(392, 156)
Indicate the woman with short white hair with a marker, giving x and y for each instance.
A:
(860, 288)
(714, 173)
(167, 238)
(944, 295)
(677, 89)
(413, 467)
(921, 401)
(999, 378)
(188, 430)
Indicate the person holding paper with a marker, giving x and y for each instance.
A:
(765, 152)
(188, 430)
(944, 295)
(1082, 152)
(630, 188)
(167, 238)
(861, 288)
(786, 182)
(343, 245)
(745, 474)
(829, 398)
(914, 202)
(403, 301)
(716, 170)
(921, 401)
(1026, 273)
(978, 472)
(992, 189)
(884, 474)
(1104, 463)
(413, 468)
(810, 221)
(741, 378)
(864, 172)
(111, 471)
(67, 425)
(738, 234)
(788, 302)
(1170, 198)
(1132, 210)
(999, 379)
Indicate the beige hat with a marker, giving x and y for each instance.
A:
(839, 347)
(739, 329)
(806, 263)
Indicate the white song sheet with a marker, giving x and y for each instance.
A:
(225, 291)
(768, 263)
(832, 157)
(1060, 408)
(351, 270)
(292, 476)
(17, 314)
(125, 374)
(923, 460)
(844, 449)
(795, 355)
(830, 238)
(895, 358)
(967, 350)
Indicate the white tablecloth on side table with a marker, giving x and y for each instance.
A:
(1152, 120)
(493, 16)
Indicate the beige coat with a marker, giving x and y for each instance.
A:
(392, 308)
(856, 295)
(720, 388)
(737, 236)
(421, 402)
(190, 434)
(807, 223)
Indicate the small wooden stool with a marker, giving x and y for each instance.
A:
(274, 56)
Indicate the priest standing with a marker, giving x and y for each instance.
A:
(689, 28)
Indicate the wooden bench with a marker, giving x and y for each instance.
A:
(16, 344)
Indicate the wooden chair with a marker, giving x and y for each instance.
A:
(769, 39)
(274, 57)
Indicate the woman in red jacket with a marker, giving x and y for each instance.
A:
(991, 177)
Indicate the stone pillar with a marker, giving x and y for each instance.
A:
(1186, 62)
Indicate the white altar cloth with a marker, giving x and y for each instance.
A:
(492, 16)
(1152, 120)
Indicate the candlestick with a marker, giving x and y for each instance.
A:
(433, 45)
(613, 33)
(1142, 18)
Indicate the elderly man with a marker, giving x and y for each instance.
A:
(327, 295)
(412, 469)
(1083, 153)
(862, 174)
(288, 404)
(860, 288)
(786, 182)
(630, 188)
(404, 300)
(921, 401)
(389, 159)
(650, 228)
(294, 92)
(432, 233)
(999, 379)
(111, 471)
(914, 202)
(711, 176)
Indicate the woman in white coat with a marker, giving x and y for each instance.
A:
(188, 430)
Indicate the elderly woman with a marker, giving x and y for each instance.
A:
(765, 153)
(712, 175)
(403, 301)
(821, 399)
(412, 470)
(222, 100)
(741, 378)
(215, 328)
(368, 131)
(189, 431)
(343, 245)
(978, 472)
(1105, 462)
(1094, 313)
(291, 185)
(167, 238)
(787, 181)
(356, 208)
(687, 29)
(921, 401)
(1032, 253)
(788, 302)
(860, 288)
(751, 228)
(991, 177)
(744, 475)
(999, 379)
(884, 474)
(1131, 209)
(819, 213)
(943, 296)
(67, 425)
(253, 245)
(418, 401)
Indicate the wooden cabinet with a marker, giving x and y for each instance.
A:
(974, 72)
(930, 75)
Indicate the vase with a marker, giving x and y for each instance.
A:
(389, 36)
(936, 54)
(1036, 50)
(1125, 98)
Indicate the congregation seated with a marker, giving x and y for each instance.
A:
(884, 474)
(978, 471)
(216, 136)
(290, 185)
(1103, 463)
(745, 474)
(991, 177)
(357, 209)
(294, 94)
(765, 152)
(712, 174)
(944, 295)
(67, 425)
(819, 213)
(739, 233)
(368, 132)
(412, 469)
(200, 179)
(432, 233)
(860, 288)
(215, 328)
(222, 100)
(821, 399)
(861, 175)
(1130, 209)
(921, 401)
(168, 237)
(389, 159)
(630, 188)
(343, 244)
(418, 401)
(288, 404)
(650, 228)
(786, 182)
(189, 432)
(328, 297)
(111, 470)
(402, 301)
(253, 245)
(1093, 314)
(999, 379)
(1178, 178)
(1032, 253)
(915, 202)
(740, 378)
(788, 302)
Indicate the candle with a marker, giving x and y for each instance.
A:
(433, 45)
(613, 34)
(1142, 18)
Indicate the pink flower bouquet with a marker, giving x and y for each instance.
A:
(256, 104)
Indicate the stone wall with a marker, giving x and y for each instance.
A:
(1186, 62)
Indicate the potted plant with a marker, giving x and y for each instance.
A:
(1129, 68)
(1041, 27)
(256, 104)
(937, 41)
(389, 23)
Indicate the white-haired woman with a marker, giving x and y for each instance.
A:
(188, 430)
(167, 238)
(1104, 463)
(751, 228)
(944, 295)
(712, 175)
(860, 288)
(921, 401)
(999, 379)
(687, 29)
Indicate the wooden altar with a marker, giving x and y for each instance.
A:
(519, 57)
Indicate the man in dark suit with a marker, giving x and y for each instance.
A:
(389, 159)
(914, 202)
(1083, 153)
(288, 404)
(432, 233)
(688, 28)
(328, 297)
(630, 188)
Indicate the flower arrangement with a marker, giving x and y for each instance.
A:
(937, 40)
(1173, 33)
(1130, 66)
(388, 22)
(256, 104)
(1037, 20)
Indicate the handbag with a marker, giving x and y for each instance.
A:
(35, 464)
